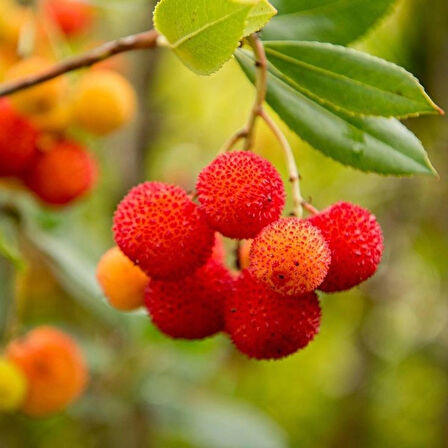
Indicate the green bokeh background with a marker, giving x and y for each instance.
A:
(376, 376)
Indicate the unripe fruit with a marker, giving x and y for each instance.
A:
(13, 386)
(71, 16)
(62, 174)
(356, 243)
(104, 102)
(290, 256)
(240, 193)
(265, 325)
(163, 231)
(193, 307)
(18, 139)
(54, 367)
(38, 99)
(122, 282)
(57, 119)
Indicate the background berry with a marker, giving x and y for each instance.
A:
(240, 193)
(290, 256)
(54, 367)
(265, 325)
(62, 174)
(161, 230)
(13, 386)
(356, 243)
(18, 139)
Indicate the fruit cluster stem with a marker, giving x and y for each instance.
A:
(293, 172)
(141, 41)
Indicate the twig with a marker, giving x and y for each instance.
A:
(261, 87)
(141, 41)
(294, 177)
(309, 208)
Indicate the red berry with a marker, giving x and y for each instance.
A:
(193, 307)
(73, 17)
(290, 256)
(163, 231)
(62, 174)
(265, 325)
(240, 193)
(17, 140)
(219, 250)
(356, 243)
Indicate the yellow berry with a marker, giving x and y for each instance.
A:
(13, 386)
(104, 102)
(41, 98)
(122, 282)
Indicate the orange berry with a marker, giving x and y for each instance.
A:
(54, 367)
(39, 99)
(104, 102)
(122, 282)
(290, 256)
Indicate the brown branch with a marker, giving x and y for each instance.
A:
(141, 41)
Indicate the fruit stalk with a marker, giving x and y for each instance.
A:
(141, 41)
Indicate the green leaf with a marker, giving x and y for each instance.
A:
(381, 145)
(203, 34)
(350, 80)
(335, 21)
(259, 16)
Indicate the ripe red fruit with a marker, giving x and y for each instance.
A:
(265, 325)
(17, 140)
(73, 17)
(356, 243)
(240, 193)
(163, 231)
(62, 174)
(290, 256)
(193, 307)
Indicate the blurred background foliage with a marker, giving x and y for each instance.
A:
(377, 374)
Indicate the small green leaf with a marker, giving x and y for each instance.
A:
(335, 21)
(259, 16)
(9, 242)
(381, 145)
(350, 80)
(203, 34)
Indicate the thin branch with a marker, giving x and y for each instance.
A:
(309, 208)
(141, 41)
(261, 88)
(294, 177)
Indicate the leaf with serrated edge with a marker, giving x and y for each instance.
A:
(381, 145)
(203, 33)
(350, 80)
(335, 21)
(259, 16)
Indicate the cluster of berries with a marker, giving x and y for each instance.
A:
(35, 124)
(41, 373)
(170, 257)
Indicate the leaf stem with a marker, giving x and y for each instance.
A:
(294, 176)
(141, 41)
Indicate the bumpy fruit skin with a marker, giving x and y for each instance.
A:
(265, 325)
(162, 231)
(193, 307)
(62, 174)
(39, 99)
(105, 101)
(356, 243)
(72, 17)
(240, 193)
(122, 282)
(18, 139)
(290, 256)
(13, 386)
(54, 367)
